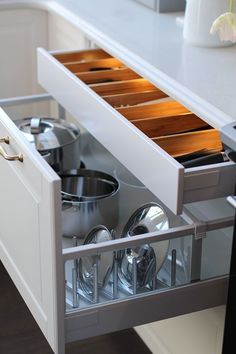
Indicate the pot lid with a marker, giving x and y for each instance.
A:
(48, 133)
(149, 257)
(104, 261)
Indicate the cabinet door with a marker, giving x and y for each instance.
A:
(30, 235)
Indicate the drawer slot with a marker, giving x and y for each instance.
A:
(127, 86)
(159, 126)
(185, 143)
(83, 56)
(135, 98)
(94, 65)
(99, 76)
(163, 109)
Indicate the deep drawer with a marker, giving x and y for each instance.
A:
(142, 127)
(184, 279)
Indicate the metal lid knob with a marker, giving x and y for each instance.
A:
(35, 125)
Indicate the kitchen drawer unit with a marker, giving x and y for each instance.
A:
(139, 124)
(44, 265)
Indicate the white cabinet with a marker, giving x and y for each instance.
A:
(40, 275)
(21, 32)
(31, 223)
(30, 246)
(63, 35)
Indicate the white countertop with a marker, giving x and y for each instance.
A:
(203, 79)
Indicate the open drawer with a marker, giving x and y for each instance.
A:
(139, 124)
(68, 302)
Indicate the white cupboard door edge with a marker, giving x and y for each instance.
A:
(30, 232)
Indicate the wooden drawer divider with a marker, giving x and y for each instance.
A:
(169, 124)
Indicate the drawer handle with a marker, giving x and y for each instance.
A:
(3, 153)
(5, 139)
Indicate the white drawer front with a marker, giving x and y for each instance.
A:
(30, 228)
(160, 172)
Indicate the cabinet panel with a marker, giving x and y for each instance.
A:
(63, 35)
(141, 153)
(21, 32)
(30, 229)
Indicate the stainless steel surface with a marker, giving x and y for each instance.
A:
(35, 126)
(121, 243)
(94, 271)
(81, 215)
(228, 135)
(173, 267)
(115, 276)
(75, 287)
(95, 281)
(149, 257)
(15, 101)
(85, 184)
(134, 274)
(55, 138)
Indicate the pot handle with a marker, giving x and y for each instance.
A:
(35, 125)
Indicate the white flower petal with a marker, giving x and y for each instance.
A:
(225, 25)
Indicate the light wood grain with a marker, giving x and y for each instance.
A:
(92, 77)
(181, 144)
(163, 109)
(94, 65)
(84, 55)
(121, 87)
(134, 98)
(154, 127)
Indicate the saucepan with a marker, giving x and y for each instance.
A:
(55, 139)
(89, 198)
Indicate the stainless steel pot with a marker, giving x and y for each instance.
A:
(55, 139)
(89, 198)
(85, 184)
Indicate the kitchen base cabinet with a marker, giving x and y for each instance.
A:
(39, 258)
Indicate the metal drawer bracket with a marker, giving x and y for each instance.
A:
(200, 227)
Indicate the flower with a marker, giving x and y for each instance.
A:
(225, 25)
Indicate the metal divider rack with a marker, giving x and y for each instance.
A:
(177, 273)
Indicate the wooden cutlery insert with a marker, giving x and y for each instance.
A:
(165, 121)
